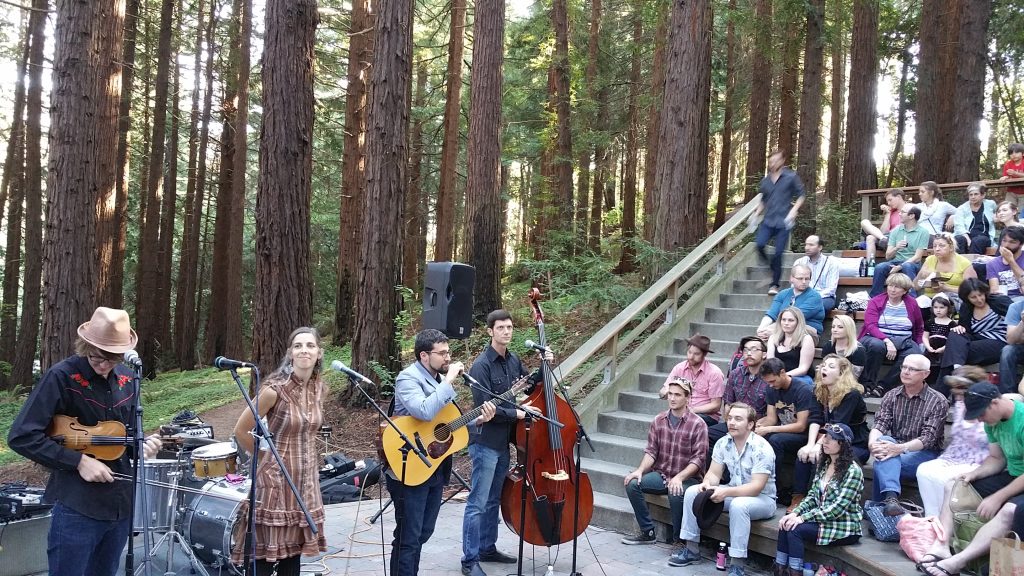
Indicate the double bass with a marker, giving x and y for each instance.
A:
(559, 502)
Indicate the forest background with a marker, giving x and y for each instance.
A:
(228, 170)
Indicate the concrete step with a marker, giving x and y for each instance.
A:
(667, 361)
(628, 424)
(641, 403)
(756, 284)
(747, 301)
(722, 332)
(615, 449)
(719, 348)
(748, 316)
(606, 477)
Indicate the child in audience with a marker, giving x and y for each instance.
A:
(937, 329)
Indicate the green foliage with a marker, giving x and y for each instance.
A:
(839, 225)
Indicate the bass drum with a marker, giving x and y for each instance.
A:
(209, 521)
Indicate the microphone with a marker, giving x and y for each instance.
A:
(535, 346)
(465, 376)
(223, 363)
(131, 358)
(339, 366)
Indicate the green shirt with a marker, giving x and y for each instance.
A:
(917, 239)
(1010, 437)
(835, 506)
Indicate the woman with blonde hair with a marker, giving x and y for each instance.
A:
(843, 342)
(842, 402)
(792, 343)
(1006, 214)
(893, 328)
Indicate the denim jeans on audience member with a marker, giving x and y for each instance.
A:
(78, 545)
(480, 521)
(828, 303)
(1012, 354)
(653, 483)
(781, 236)
(742, 511)
(888, 473)
(882, 273)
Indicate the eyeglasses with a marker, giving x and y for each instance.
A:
(445, 354)
(751, 350)
(101, 359)
(906, 368)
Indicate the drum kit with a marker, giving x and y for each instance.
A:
(195, 501)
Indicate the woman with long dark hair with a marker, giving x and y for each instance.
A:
(830, 515)
(981, 334)
(291, 402)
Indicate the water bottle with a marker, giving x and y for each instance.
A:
(808, 569)
(720, 557)
(863, 270)
(871, 267)
(550, 571)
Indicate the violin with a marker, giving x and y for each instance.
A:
(554, 512)
(104, 441)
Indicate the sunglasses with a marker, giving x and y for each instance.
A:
(834, 429)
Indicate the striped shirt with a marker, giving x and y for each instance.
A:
(921, 416)
(894, 320)
(748, 388)
(676, 447)
(834, 506)
(991, 326)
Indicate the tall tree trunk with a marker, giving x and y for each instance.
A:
(859, 168)
(483, 177)
(147, 316)
(444, 242)
(901, 113)
(627, 259)
(112, 228)
(730, 90)
(282, 299)
(760, 91)
(14, 162)
(167, 217)
(563, 130)
(387, 157)
(84, 98)
(353, 169)
(414, 195)
(936, 72)
(969, 95)
(28, 331)
(810, 104)
(584, 119)
(654, 124)
(682, 176)
(837, 103)
(186, 320)
(788, 86)
(236, 345)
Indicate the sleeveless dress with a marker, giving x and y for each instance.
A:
(281, 529)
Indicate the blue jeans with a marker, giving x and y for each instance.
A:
(480, 522)
(1012, 354)
(790, 550)
(78, 545)
(882, 273)
(653, 483)
(889, 472)
(781, 236)
(416, 509)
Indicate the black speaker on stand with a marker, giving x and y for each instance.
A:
(448, 298)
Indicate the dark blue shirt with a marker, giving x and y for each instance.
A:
(778, 196)
(797, 398)
(496, 373)
(71, 387)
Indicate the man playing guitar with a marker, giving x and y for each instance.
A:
(91, 521)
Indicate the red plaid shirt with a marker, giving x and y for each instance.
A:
(676, 448)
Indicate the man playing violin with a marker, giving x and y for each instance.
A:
(496, 368)
(421, 390)
(91, 522)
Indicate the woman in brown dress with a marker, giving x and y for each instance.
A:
(290, 401)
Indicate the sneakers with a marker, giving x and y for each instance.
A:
(641, 537)
(773, 290)
(498, 557)
(794, 502)
(892, 507)
(685, 557)
(736, 570)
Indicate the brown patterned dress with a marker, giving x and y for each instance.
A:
(281, 529)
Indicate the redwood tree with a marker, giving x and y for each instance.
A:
(727, 112)
(444, 243)
(810, 101)
(627, 259)
(969, 96)
(760, 91)
(562, 162)
(283, 292)
(859, 167)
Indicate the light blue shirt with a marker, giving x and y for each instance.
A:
(419, 394)
(963, 217)
(757, 457)
(824, 274)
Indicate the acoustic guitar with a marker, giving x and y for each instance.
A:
(438, 439)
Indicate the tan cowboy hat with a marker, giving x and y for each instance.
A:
(109, 330)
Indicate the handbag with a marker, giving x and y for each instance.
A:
(917, 535)
(965, 527)
(1006, 557)
(882, 527)
(963, 497)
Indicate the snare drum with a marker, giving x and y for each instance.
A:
(209, 521)
(159, 498)
(214, 460)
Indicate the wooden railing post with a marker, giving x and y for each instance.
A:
(611, 370)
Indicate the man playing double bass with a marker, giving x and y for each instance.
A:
(91, 522)
(496, 368)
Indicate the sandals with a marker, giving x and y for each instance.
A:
(926, 566)
(927, 560)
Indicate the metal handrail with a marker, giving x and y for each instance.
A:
(602, 350)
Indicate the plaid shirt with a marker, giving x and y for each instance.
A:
(836, 506)
(747, 388)
(676, 448)
(907, 417)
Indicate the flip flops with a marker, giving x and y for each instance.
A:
(926, 566)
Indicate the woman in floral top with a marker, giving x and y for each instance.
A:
(968, 445)
(831, 513)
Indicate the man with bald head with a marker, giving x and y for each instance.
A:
(909, 428)
(824, 271)
(799, 294)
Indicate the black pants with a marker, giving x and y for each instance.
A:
(978, 245)
(285, 567)
(965, 349)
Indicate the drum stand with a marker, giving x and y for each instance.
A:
(174, 538)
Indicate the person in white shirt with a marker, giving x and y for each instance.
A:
(824, 271)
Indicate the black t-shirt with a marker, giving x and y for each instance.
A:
(797, 398)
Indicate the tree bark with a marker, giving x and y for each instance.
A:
(483, 177)
(168, 214)
(414, 233)
(585, 120)
(969, 95)
(788, 85)
(387, 157)
(627, 258)
(683, 149)
(25, 353)
(760, 92)
(837, 105)
(901, 113)
(562, 163)
(654, 124)
(444, 243)
(83, 113)
(934, 109)
(282, 298)
(859, 168)
(353, 168)
(730, 90)
(809, 153)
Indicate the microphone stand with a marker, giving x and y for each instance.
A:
(581, 434)
(261, 434)
(137, 441)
